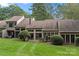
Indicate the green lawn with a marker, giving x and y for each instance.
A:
(18, 48)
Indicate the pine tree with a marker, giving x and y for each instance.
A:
(69, 11)
(40, 12)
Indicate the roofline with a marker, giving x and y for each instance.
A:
(68, 31)
(49, 29)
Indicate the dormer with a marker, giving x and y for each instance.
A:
(14, 21)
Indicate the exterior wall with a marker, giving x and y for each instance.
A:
(4, 33)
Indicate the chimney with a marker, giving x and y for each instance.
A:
(30, 20)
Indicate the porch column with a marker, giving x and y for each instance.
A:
(70, 38)
(14, 33)
(34, 34)
(42, 35)
(54, 33)
(20, 29)
(50, 36)
(58, 33)
(74, 38)
(65, 38)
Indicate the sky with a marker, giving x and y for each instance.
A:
(24, 6)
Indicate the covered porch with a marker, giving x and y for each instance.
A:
(41, 34)
(69, 37)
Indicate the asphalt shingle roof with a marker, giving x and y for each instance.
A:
(15, 18)
(69, 25)
(61, 25)
(2, 24)
(46, 24)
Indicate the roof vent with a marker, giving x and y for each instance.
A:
(33, 19)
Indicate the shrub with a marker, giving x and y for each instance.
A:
(77, 41)
(57, 40)
(23, 35)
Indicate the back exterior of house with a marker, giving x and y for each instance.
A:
(68, 29)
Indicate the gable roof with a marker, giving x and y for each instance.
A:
(15, 18)
(46, 24)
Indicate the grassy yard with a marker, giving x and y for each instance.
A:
(15, 47)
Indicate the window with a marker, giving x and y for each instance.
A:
(22, 29)
(17, 33)
(30, 30)
(17, 28)
(10, 24)
(38, 30)
(77, 35)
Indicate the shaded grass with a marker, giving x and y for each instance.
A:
(14, 47)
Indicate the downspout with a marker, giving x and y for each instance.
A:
(58, 27)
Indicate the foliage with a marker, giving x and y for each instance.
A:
(57, 40)
(12, 10)
(23, 35)
(69, 10)
(77, 41)
(40, 11)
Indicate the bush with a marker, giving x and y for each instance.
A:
(23, 35)
(77, 41)
(57, 40)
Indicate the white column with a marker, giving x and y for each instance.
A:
(70, 38)
(42, 34)
(50, 36)
(54, 33)
(34, 34)
(20, 29)
(58, 33)
(65, 38)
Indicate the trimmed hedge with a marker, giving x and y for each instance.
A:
(77, 41)
(23, 35)
(57, 40)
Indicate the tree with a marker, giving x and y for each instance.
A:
(12, 10)
(69, 11)
(40, 12)
(23, 35)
